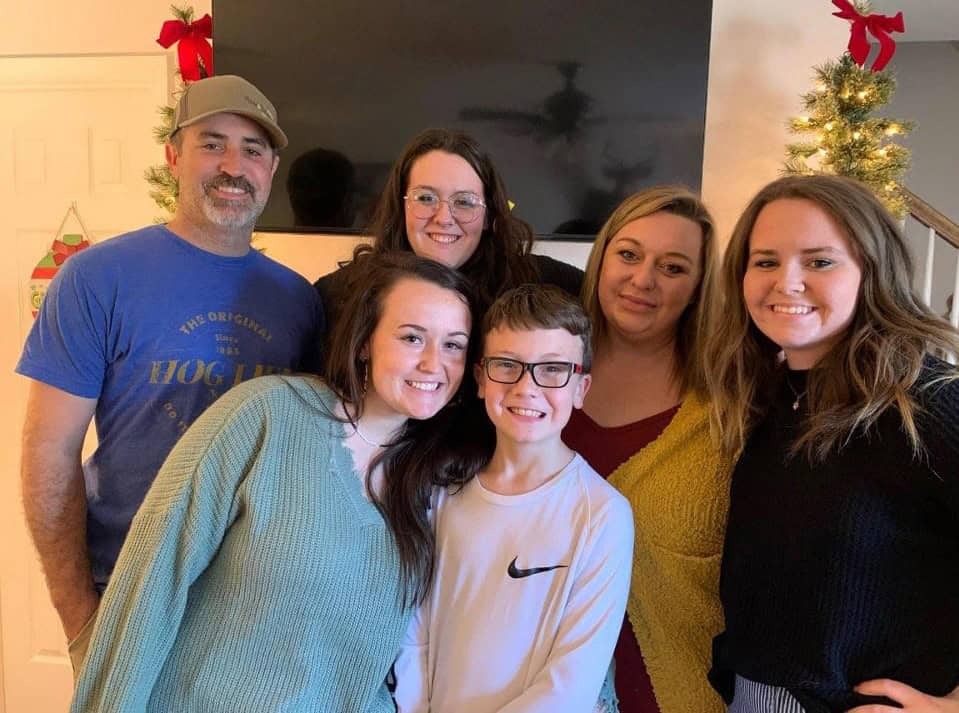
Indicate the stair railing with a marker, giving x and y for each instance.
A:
(939, 228)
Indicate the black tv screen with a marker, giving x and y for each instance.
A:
(579, 104)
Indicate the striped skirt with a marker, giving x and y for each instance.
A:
(752, 697)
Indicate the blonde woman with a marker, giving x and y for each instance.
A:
(644, 425)
(841, 559)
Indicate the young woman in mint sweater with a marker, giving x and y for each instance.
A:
(274, 561)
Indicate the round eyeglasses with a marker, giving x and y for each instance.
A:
(465, 207)
(548, 374)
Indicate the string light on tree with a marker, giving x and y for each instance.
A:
(845, 135)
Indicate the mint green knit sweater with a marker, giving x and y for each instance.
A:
(256, 576)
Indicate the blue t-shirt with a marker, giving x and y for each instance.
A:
(156, 329)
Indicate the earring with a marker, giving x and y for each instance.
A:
(365, 364)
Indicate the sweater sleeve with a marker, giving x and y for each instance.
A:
(334, 289)
(559, 274)
(312, 352)
(412, 694)
(571, 680)
(173, 538)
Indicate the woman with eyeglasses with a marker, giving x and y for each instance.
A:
(445, 201)
(644, 425)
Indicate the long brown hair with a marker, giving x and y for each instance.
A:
(680, 201)
(874, 365)
(501, 259)
(423, 453)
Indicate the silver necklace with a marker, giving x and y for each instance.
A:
(367, 441)
(792, 388)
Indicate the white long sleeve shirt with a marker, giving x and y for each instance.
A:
(527, 600)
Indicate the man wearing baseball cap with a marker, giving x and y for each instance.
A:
(142, 332)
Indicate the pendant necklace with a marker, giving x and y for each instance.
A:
(798, 395)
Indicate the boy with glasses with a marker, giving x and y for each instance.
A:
(533, 555)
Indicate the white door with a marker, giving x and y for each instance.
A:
(72, 129)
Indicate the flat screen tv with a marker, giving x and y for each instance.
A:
(578, 103)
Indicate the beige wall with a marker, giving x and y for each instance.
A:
(760, 61)
(89, 27)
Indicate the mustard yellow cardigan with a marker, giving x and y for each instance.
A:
(678, 486)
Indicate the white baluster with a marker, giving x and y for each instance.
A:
(954, 312)
(930, 260)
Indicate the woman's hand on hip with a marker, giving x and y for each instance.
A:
(908, 697)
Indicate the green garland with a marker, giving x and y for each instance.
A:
(163, 186)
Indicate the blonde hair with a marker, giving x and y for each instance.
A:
(874, 365)
(680, 201)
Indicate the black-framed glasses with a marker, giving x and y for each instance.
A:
(465, 207)
(548, 374)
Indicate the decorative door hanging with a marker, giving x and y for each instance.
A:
(65, 243)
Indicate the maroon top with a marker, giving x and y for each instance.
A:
(605, 449)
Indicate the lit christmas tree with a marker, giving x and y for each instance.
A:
(845, 138)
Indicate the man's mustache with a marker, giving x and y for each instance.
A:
(225, 181)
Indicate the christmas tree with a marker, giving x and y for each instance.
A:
(195, 57)
(163, 186)
(845, 137)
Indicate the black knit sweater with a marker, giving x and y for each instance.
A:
(848, 570)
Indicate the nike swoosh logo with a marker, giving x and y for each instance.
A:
(516, 573)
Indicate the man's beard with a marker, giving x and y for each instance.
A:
(227, 213)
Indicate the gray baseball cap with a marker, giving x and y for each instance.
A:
(231, 94)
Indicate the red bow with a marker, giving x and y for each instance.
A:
(61, 251)
(879, 26)
(193, 46)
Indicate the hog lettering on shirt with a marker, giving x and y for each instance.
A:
(212, 373)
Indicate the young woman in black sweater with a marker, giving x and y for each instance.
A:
(840, 575)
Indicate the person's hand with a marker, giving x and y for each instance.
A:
(909, 698)
(75, 616)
